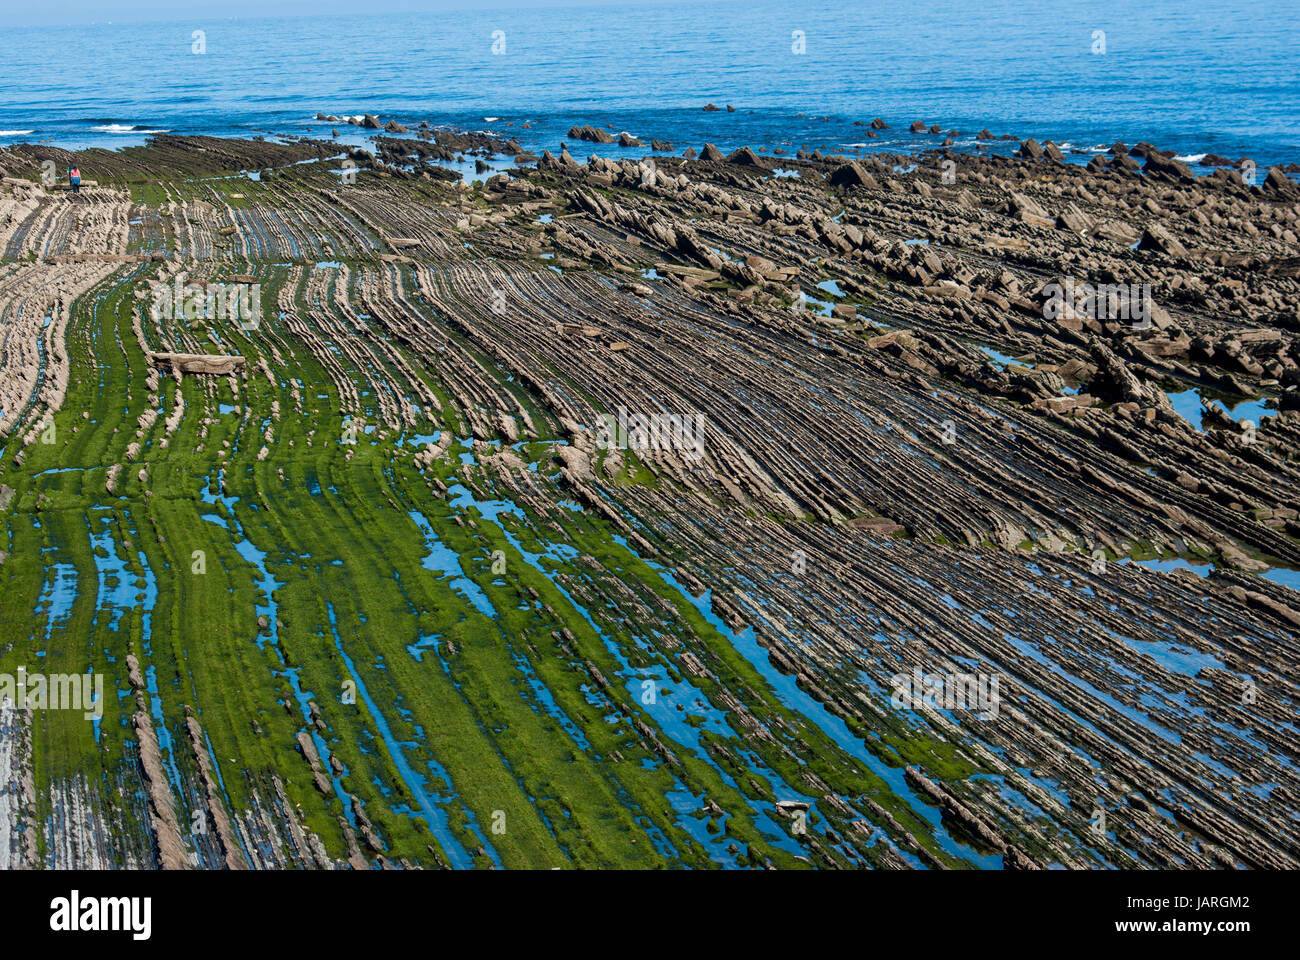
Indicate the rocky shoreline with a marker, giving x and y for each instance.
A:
(948, 429)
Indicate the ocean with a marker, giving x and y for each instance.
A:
(1189, 75)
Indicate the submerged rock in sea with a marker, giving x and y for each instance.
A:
(590, 134)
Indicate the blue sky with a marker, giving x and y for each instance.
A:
(62, 12)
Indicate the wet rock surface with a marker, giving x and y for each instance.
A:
(945, 428)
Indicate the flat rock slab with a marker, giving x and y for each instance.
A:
(200, 362)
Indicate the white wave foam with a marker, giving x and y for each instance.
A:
(1191, 157)
(15, 133)
(122, 128)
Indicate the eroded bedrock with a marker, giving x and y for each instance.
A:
(913, 512)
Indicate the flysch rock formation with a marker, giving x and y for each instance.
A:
(912, 456)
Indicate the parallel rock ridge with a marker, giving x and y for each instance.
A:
(628, 514)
